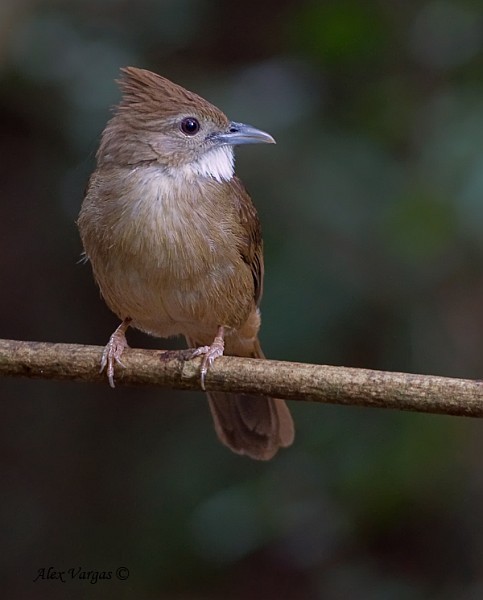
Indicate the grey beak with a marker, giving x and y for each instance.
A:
(240, 133)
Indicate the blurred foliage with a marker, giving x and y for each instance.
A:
(372, 209)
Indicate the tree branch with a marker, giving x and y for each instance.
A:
(294, 381)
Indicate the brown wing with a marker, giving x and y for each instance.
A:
(251, 244)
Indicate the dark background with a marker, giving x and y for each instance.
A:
(372, 210)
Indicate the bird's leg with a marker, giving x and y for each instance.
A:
(210, 353)
(114, 349)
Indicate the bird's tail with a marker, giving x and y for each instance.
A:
(256, 426)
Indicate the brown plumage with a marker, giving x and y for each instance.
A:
(175, 243)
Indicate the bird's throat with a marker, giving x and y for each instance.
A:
(217, 164)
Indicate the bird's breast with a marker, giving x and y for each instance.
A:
(170, 254)
(180, 228)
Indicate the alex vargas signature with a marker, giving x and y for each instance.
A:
(78, 573)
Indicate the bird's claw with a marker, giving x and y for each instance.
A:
(112, 354)
(210, 354)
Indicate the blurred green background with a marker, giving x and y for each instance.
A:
(372, 211)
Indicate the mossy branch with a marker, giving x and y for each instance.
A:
(293, 381)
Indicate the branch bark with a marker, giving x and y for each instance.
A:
(293, 381)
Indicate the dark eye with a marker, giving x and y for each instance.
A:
(190, 126)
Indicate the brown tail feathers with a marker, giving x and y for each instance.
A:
(256, 426)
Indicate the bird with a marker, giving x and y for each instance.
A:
(175, 243)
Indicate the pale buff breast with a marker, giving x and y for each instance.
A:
(165, 255)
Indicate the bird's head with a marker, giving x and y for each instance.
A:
(159, 122)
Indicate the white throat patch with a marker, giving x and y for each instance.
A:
(219, 164)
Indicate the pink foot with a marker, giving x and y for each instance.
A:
(210, 354)
(113, 351)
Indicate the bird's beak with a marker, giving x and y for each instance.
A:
(240, 133)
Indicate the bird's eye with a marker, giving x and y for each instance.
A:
(190, 126)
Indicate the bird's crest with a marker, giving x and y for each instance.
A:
(147, 92)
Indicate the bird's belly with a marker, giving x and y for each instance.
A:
(169, 259)
(164, 296)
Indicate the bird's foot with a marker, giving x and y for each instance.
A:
(113, 351)
(210, 354)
